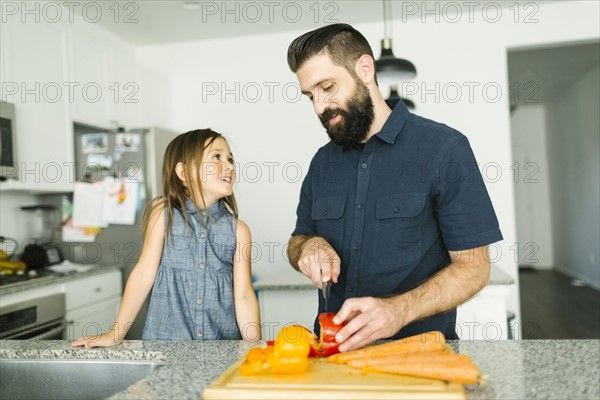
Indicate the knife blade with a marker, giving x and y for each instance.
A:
(326, 288)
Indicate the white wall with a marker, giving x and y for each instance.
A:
(11, 216)
(451, 57)
(573, 139)
(534, 245)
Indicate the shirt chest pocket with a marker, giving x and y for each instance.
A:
(223, 246)
(178, 251)
(398, 228)
(327, 213)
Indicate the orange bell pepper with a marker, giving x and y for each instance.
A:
(288, 355)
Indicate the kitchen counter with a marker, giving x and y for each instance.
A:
(289, 279)
(532, 369)
(55, 278)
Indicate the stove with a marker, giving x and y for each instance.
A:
(36, 275)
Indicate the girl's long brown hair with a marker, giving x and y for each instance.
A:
(188, 149)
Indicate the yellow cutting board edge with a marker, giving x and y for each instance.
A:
(325, 380)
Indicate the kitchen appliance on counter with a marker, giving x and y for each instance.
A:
(40, 223)
(39, 318)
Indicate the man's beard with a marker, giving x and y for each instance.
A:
(355, 121)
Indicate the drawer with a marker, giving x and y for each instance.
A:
(82, 292)
(92, 320)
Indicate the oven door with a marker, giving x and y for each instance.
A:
(53, 330)
(39, 318)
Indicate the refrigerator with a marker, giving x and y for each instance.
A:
(119, 154)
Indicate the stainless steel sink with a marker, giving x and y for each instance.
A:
(69, 379)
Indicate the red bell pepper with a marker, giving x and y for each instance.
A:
(328, 343)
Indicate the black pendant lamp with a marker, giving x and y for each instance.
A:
(395, 95)
(391, 70)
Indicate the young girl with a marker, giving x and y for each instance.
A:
(196, 253)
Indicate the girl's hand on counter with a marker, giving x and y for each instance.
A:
(105, 340)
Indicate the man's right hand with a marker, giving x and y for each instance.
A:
(319, 261)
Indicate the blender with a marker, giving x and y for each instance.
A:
(40, 223)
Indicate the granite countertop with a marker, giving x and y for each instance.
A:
(289, 279)
(531, 369)
(56, 278)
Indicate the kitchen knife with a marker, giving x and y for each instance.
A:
(326, 287)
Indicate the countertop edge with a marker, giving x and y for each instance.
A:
(57, 279)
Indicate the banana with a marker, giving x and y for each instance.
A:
(13, 265)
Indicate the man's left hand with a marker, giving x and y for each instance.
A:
(367, 319)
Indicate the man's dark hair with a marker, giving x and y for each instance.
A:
(341, 42)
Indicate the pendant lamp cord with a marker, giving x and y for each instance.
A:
(387, 12)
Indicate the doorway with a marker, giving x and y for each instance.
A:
(555, 134)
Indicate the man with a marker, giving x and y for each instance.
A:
(393, 210)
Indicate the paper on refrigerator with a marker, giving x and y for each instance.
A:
(88, 204)
(120, 201)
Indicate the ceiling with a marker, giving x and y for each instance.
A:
(534, 73)
(147, 22)
(537, 74)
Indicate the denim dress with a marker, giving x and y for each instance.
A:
(192, 296)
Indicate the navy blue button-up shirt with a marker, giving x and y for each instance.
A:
(393, 208)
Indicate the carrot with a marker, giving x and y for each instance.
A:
(404, 358)
(430, 341)
(457, 372)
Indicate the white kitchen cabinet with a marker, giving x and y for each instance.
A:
(35, 60)
(57, 74)
(92, 304)
(284, 298)
(125, 90)
(92, 320)
(106, 78)
(481, 318)
(279, 308)
(288, 297)
(88, 61)
(484, 317)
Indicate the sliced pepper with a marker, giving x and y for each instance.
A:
(329, 329)
(289, 352)
(288, 355)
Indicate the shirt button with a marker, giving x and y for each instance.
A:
(396, 210)
(364, 166)
(203, 213)
(360, 206)
(199, 333)
(350, 289)
(199, 301)
(355, 248)
(201, 265)
(203, 235)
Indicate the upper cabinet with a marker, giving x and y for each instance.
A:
(57, 74)
(124, 94)
(108, 78)
(88, 61)
(35, 80)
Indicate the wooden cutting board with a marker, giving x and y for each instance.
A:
(325, 380)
